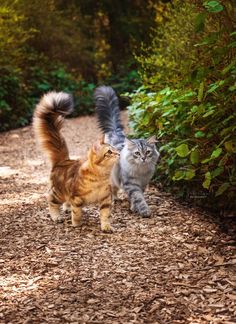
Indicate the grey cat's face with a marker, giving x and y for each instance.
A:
(142, 151)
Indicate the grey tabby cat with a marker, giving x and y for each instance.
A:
(138, 157)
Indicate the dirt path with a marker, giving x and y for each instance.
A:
(176, 267)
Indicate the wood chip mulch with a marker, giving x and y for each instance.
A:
(179, 266)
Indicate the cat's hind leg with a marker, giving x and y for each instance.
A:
(54, 208)
(54, 211)
(66, 207)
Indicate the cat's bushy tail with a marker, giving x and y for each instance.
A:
(47, 122)
(108, 112)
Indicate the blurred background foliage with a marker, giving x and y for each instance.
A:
(67, 45)
(174, 59)
(188, 100)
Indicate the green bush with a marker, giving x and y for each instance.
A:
(195, 119)
(170, 56)
(20, 92)
(128, 79)
(14, 102)
(52, 45)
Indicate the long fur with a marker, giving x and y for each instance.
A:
(109, 119)
(77, 182)
(108, 112)
(138, 157)
(47, 123)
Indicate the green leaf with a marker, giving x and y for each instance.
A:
(213, 6)
(169, 112)
(200, 92)
(194, 156)
(91, 86)
(182, 150)
(184, 174)
(208, 113)
(44, 86)
(232, 88)
(217, 172)
(145, 120)
(222, 189)
(194, 109)
(232, 44)
(212, 87)
(199, 134)
(178, 175)
(216, 153)
(189, 174)
(207, 181)
(228, 67)
(230, 146)
(200, 22)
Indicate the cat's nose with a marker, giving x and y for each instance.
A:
(143, 158)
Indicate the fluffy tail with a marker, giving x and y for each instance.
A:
(47, 123)
(108, 112)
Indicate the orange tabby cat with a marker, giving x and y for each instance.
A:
(77, 182)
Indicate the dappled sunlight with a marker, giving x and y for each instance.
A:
(34, 162)
(15, 200)
(16, 284)
(38, 179)
(21, 284)
(6, 171)
(172, 66)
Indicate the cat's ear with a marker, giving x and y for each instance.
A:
(152, 140)
(129, 143)
(96, 147)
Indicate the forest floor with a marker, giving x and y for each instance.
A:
(179, 266)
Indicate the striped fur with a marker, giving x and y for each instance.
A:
(77, 182)
(47, 122)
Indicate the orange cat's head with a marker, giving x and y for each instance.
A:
(103, 155)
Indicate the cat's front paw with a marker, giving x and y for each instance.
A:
(142, 209)
(107, 228)
(76, 222)
(145, 212)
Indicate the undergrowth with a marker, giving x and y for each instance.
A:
(194, 118)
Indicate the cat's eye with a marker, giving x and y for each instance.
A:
(109, 152)
(148, 152)
(137, 153)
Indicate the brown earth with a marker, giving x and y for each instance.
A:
(179, 266)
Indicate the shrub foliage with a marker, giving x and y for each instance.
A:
(190, 105)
